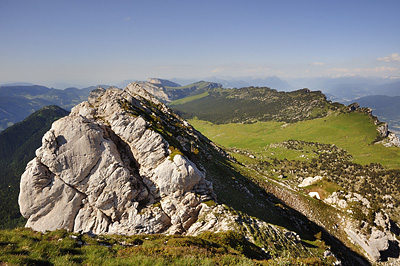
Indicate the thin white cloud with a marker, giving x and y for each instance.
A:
(218, 70)
(391, 58)
(317, 63)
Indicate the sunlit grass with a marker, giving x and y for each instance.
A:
(353, 132)
(189, 99)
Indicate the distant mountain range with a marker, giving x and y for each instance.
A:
(349, 88)
(272, 82)
(18, 102)
(342, 88)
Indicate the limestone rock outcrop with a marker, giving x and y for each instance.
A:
(155, 89)
(119, 163)
(309, 181)
(105, 168)
(389, 139)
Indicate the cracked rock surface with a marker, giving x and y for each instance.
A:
(106, 170)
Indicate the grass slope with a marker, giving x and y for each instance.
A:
(353, 132)
(189, 99)
(187, 92)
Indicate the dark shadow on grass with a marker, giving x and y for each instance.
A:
(245, 195)
(39, 262)
(392, 252)
(70, 251)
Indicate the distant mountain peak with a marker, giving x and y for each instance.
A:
(163, 82)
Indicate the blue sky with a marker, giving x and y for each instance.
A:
(91, 42)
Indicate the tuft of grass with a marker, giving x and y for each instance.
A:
(324, 188)
(174, 152)
(210, 203)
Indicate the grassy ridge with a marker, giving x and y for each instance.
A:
(353, 132)
(252, 104)
(199, 85)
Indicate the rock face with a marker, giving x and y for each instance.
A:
(156, 89)
(389, 138)
(377, 242)
(163, 82)
(105, 169)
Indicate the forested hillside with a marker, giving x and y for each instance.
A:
(17, 147)
(17, 102)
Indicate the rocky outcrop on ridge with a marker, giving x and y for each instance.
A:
(163, 82)
(389, 139)
(120, 163)
(156, 89)
(106, 170)
(381, 244)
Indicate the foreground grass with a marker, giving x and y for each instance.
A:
(23, 246)
(353, 132)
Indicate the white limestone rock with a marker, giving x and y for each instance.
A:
(391, 140)
(376, 243)
(314, 195)
(103, 169)
(379, 240)
(47, 201)
(309, 181)
(176, 174)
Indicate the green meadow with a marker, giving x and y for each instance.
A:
(189, 99)
(353, 132)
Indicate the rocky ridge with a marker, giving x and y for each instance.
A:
(385, 137)
(123, 163)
